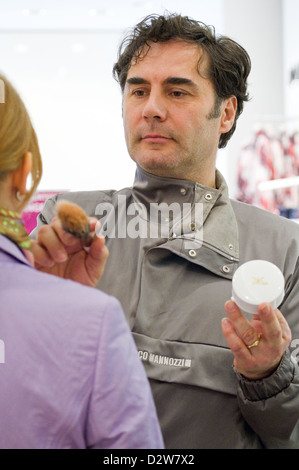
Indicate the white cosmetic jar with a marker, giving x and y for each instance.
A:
(255, 282)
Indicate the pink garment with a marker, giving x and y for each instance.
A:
(265, 158)
(35, 206)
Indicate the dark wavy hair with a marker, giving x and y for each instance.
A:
(229, 63)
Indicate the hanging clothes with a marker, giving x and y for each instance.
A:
(269, 155)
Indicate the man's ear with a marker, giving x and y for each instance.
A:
(228, 114)
(20, 174)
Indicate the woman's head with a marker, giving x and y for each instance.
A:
(17, 137)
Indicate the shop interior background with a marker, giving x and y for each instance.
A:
(59, 54)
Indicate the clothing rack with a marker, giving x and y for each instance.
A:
(268, 166)
(274, 122)
(278, 183)
(275, 118)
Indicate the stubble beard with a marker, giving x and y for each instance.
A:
(179, 164)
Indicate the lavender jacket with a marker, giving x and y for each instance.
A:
(70, 376)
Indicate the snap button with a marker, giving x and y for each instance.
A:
(192, 226)
(230, 246)
(192, 253)
(208, 196)
(183, 191)
(225, 269)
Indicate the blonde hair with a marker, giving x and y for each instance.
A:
(17, 136)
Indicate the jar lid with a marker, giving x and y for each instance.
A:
(255, 282)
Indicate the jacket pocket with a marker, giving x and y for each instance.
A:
(201, 365)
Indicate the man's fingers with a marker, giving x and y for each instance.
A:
(49, 240)
(97, 256)
(94, 224)
(232, 339)
(275, 327)
(69, 256)
(284, 325)
(245, 330)
(41, 255)
(257, 345)
(271, 327)
(57, 242)
(234, 342)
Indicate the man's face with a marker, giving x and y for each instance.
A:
(169, 116)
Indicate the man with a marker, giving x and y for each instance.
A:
(183, 90)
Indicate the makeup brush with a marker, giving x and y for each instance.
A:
(74, 220)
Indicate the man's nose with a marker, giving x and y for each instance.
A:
(155, 107)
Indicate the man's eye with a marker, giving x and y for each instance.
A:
(178, 93)
(138, 92)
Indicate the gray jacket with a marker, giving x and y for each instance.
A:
(172, 273)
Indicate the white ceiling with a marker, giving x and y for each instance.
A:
(85, 14)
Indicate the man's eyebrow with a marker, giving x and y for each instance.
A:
(137, 81)
(167, 81)
(180, 81)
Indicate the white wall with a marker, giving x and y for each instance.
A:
(61, 64)
(291, 60)
(65, 80)
(257, 26)
(61, 61)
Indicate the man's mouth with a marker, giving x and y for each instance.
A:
(156, 138)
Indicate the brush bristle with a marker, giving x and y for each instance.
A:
(73, 219)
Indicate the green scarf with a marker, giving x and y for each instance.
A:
(12, 226)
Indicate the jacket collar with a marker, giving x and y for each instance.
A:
(10, 251)
(218, 225)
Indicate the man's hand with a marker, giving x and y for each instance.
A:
(59, 253)
(267, 333)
